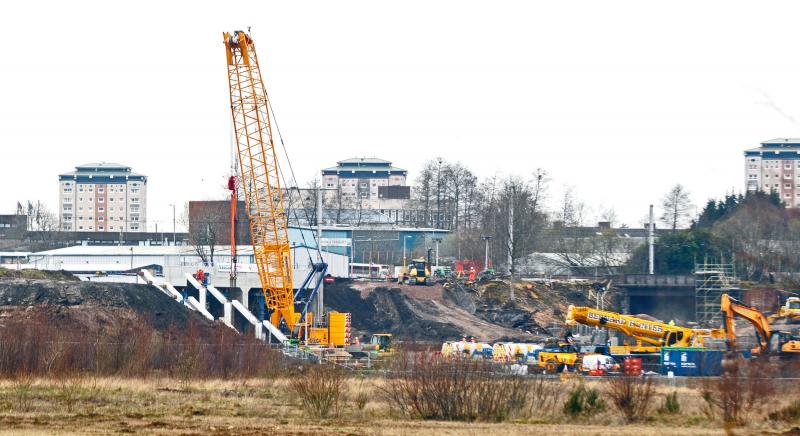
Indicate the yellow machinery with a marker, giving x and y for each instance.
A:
(260, 182)
(382, 342)
(769, 340)
(417, 273)
(653, 334)
(790, 311)
(556, 360)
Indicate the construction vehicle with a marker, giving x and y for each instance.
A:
(383, 342)
(770, 341)
(789, 312)
(650, 336)
(260, 182)
(556, 358)
(417, 272)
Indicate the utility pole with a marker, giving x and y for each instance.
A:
(486, 238)
(439, 195)
(135, 275)
(320, 295)
(650, 242)
(437, 241)
(511, 242)
(173, 224)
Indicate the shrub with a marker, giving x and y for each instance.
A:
(22, 391)
(544, 396)
(320, 389)
(786, 414)
(631, 396)
(740, 392)
(583, 402)
(671, 405)
(429, 386)
(133, 348)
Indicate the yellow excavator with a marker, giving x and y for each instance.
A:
(770, 341)
(650, 336)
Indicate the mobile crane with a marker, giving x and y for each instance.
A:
(653, 334)
(260, 181)
(772, 342)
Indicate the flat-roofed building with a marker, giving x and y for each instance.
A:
(775, 166)
(102, 197)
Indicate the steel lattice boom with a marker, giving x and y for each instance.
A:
(260, 178)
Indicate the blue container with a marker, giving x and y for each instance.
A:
(691, 362)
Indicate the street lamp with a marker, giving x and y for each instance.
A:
(439, 195)
(135, 275)
(404, 252)
(486, 238)
(173, 224)
(437, 241)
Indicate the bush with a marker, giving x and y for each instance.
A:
(787, 414)
(631, 396)
(671, 405)
(544, 396)
(740, 392)
(131, 348)
(428, 386)
(320, 389)
(583, 402)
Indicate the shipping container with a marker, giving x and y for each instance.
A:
(694, 362)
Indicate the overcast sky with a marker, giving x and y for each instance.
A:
(620, 100)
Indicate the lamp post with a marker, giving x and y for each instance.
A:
(437, 241)
(486, 238)
(404, 252)
(439, 194)
(135, 275)
(173, 224)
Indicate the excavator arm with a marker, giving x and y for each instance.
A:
(732, 308)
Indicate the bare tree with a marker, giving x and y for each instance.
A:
(207, 227)
(425, 189)
(42, 223)
(676, 205)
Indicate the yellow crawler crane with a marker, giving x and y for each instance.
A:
(652, 333)
(260, 182)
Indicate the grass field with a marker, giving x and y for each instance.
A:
(86, 405)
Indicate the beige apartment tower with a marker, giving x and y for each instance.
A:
(102, 197)
(775, 166)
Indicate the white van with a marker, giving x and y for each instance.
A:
(599, 361)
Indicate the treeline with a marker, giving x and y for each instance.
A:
(453, 198)
(755, 232)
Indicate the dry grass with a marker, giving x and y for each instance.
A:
(161, 405)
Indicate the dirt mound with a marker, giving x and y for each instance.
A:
(386, 310)
(36, 274)
(419, 313)
(92, 305)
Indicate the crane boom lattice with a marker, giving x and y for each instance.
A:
(260, 178)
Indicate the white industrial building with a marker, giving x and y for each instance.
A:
(170, 263)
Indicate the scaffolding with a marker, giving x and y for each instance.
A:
(711, 281)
